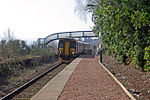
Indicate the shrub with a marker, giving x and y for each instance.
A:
(147, 58)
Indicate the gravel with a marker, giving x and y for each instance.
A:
(89, 81)
(26, 75)
(136, 81)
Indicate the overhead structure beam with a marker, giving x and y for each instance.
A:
(63, 35)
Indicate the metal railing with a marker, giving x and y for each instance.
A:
(62, 35)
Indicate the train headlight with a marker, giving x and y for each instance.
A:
(59, 52)
(73, 53)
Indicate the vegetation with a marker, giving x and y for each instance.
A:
(11, 47)
(16, 55)
(125, 28)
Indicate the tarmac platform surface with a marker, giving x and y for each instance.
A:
(82, 79)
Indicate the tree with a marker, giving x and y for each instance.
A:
(11, 47)
(8, 35)
(125, 28)
(84, 7)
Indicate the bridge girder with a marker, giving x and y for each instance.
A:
(63, 35)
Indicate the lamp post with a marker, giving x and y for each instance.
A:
(100, 47)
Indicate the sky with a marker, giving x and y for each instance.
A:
(32, 19)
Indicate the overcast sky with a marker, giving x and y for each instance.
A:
(32, 19)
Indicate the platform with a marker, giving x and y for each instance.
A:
(83, 79)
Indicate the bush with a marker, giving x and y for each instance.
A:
(125, 28)
(147, 58)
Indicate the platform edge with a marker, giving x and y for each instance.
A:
(116, 80)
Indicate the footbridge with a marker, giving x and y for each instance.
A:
(63, 35)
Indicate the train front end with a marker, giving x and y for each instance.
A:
(66, 50)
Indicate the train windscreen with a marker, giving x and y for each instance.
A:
(60, 44)
(73, 44)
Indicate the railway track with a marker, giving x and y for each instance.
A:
(26, 91)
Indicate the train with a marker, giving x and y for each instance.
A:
(69, 49)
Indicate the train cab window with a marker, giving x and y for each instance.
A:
(61, 44)
(73, 44)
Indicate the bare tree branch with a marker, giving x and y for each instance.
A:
(84, 7)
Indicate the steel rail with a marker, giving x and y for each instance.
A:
(21, 88)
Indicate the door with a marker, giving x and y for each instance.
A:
(66, 48)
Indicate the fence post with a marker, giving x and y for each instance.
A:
(100, 55)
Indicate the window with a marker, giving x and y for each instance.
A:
(61, 44)
(73, 44)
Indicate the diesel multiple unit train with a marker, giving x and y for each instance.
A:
(68, 49)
